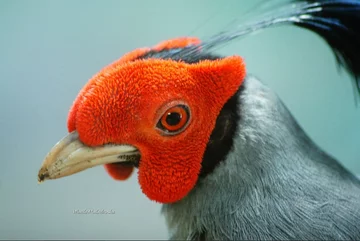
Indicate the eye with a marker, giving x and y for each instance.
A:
(174, 120)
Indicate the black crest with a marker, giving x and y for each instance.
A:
(336, 21)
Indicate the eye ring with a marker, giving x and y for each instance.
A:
(174, 120)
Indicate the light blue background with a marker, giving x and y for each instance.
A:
(48, 51)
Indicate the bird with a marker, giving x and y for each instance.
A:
(212, 143)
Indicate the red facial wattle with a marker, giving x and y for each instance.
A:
(126, 100)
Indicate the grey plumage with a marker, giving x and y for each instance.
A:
(275, 184)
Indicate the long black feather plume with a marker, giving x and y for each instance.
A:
(336, 21)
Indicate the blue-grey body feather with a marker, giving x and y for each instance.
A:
(275, 184)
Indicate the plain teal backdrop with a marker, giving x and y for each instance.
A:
(48, 51)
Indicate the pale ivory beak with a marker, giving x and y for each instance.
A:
(70, 156)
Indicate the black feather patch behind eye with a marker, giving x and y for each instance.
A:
(338, 22)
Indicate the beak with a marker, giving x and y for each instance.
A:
(70, 156)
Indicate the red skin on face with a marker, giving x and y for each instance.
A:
(124, 101)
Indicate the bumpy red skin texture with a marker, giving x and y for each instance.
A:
(124, 101)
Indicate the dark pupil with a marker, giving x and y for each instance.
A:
(173, 118)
